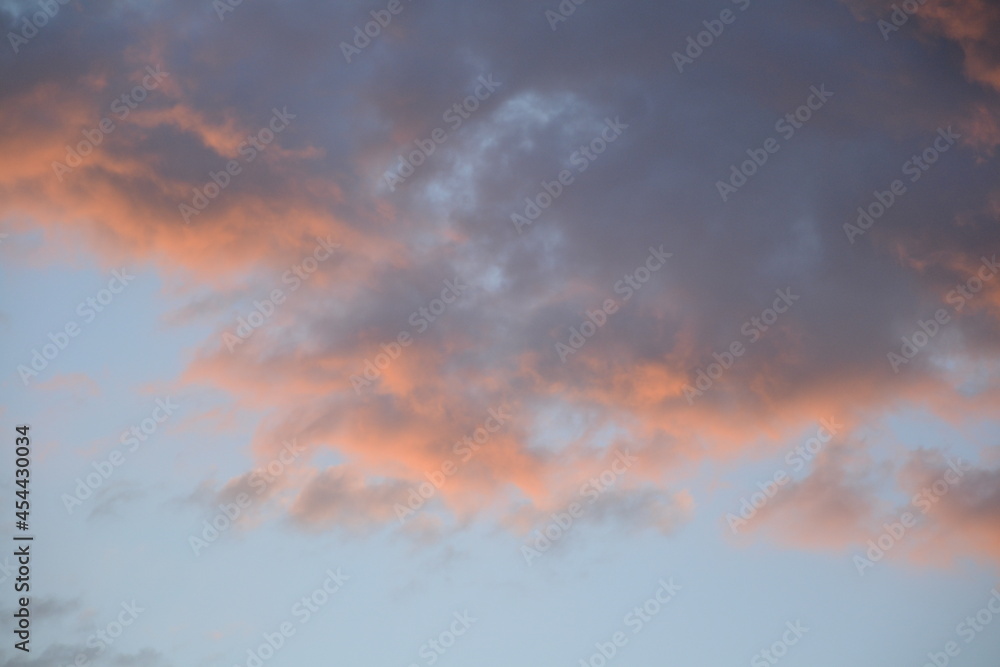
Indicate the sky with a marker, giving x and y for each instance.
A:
(425, 332)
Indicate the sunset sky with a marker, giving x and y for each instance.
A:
(426, 332)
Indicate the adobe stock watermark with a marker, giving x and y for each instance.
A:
(581, 159)
(697, 44)
(925, 500)
(131, 439)
(230, 512)
(562, 12)
(220, 180)
(899, 17)
(928, 329)
(302, 611)
(464, 449)
(435, 647)
(106, 636)
(381, 18)
(914, 168)
(779, 649)
(968, 630)
(963, 293)
(88, 309)
(32, 23)
(796, 459)
(264, 309)
(563, 522)
(455, 116)
(121, 107)
(223, 7)
(421, 320)
(753, 329)
(786, 126)
(630, 283)
(636, 620)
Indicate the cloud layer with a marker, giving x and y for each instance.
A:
(622, 155)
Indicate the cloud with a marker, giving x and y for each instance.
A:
(342, 498)
(656, 184)
(962, 504)
(833, 507)
(973, 25)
